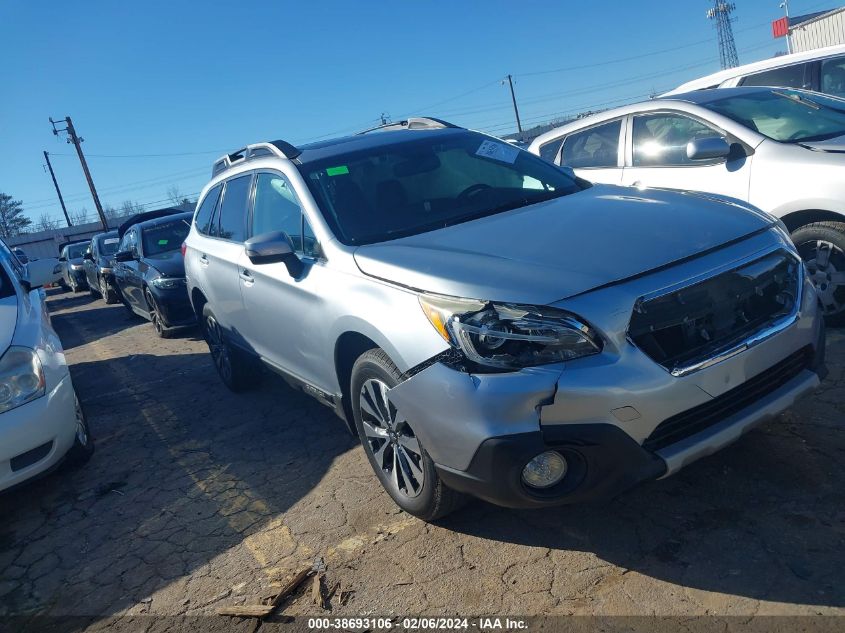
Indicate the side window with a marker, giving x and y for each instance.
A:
(277, 209)
(128, 243)
(549, 150)
(795, 76)
(206, 210)
(233, 208)
(596, 147)
(832, 77)
(660, 140)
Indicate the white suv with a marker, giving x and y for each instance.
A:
(41, 419)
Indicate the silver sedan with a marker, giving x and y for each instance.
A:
(782, 150)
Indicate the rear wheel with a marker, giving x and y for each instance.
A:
(396, 454)
(822, 247)
(236, 369)
(83, 442)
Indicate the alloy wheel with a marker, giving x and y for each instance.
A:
(826, 266)
(218, 348)
(391, 440)
(81, 426)
(104, 288)
(155, 317)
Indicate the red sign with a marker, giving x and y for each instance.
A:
(780, 28)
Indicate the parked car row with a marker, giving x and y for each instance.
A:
(531, 332)
(140, 265)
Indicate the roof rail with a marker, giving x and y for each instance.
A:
(280, 149)
(412, 123)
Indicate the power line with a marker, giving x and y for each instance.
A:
(77, 143)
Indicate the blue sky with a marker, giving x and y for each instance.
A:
(160, 89)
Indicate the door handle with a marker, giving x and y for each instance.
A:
(246, 277)
(636, 183)
(203, 260)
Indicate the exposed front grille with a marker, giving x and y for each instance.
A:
(30, 457)
(698, 322)
(699, 418)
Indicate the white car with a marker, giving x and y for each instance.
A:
(821, 69)
(41, 419)
(782, 150)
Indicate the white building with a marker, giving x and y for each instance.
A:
(817, 30)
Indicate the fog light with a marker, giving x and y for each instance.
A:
(545, 470)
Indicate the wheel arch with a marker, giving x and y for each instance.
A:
(348, 348)
(796, 219)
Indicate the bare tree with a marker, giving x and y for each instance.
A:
(46, 223)
(12, 220)
(174, 195)
(79, 217)
(111, 212)
(130, 208)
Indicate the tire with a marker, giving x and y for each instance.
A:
(106, 293)
(399, 460)
(160, 327)
(236, 369)
(822, 247)
(83, 442)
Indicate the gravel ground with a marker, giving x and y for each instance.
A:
(198, 498)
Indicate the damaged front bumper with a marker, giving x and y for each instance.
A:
(603, 414)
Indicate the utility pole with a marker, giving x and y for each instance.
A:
(77, 143)
(515, 109)
(785, 6)
(58, 191)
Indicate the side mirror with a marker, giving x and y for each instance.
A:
(273, 248)
(708, 148)
(62, 259)
(124, 256)
(42, 272)
(89, 256)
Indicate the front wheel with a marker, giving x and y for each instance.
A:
(393, 449)
(106, 292)
(155, 316)
(822, 247)
(83, 442)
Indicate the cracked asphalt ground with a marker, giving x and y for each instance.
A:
(198, 498)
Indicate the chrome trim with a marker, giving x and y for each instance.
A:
(760, 336)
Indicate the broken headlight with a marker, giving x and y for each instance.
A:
(509, 336)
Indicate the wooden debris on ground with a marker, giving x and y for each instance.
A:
(318, 591)
(263, 610)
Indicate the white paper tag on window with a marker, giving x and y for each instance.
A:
(498, 151)
(111, 240)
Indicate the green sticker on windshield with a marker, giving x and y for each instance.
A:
(163, 242)
(337, 171)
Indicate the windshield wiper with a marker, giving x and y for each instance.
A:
(799, 99)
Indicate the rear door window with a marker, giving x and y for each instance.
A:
(233, 208)
(206, 210)
(595, 147)
(794, 76)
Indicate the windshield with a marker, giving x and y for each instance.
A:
(76, 251)
(788, 116)
(108, 245)
(165, 237)
(392, 191)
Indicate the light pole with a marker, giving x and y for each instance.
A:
(785, 6)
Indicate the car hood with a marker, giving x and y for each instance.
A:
(835, 145)
(556, 249)
(77, 261)
(8, 321)
(169, 263)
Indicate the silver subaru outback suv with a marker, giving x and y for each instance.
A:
(488, 323)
